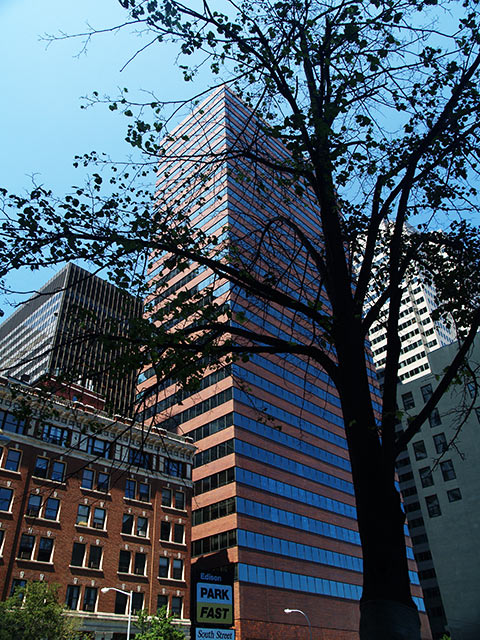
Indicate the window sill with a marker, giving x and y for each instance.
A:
(84, 568)
(42, 520)
(89, 527)
(175, 580)
(18, 474)
(137, 537)
(138, 502)
(97, 492)
(48, 563)
(173, 543)
(58, 483)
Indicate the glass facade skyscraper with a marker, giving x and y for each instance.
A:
(272, 486)
(59, 333)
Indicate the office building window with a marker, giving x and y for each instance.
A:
(426, 392)
(130, 489)
(177, 603)
(408, 401)
(73, 597)
(179, 500)
(5, 498)
(89, 599)
(41, 467)
(165, 530)
(50, 511)
(137, 602)
(434, 418)
(142, 527)
(454, 495)
(13, 424)
(163, 566)
(419, 450)
(53, 434)
(18, 587)
(162, 601)
(99, 516)
(120, 602)
(177, 569)
(433, 506)
(448, 472)
(103, 482)
(45, 548)
(166, 498)
(34, 504)
(144, 491)
(124, 561)
(78, 554)
(87, 479)
(95, 557)
(25, 549)
(178, 533)
(426, 477)
(12, 461)
(127, 523)
(139, 564)
(83, 514)
(440, 442)
(57, 471)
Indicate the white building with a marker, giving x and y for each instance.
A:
(419, 333)
(440, 482)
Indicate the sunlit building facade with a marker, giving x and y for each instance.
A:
(273, 495)
(91, 503)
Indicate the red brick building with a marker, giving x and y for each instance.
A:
(89, 502)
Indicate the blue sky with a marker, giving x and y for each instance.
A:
(41, 123)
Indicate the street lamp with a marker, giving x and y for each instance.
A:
(129, 595)
(305, 616)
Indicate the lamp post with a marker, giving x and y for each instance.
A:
(303, 614)
(129, 595)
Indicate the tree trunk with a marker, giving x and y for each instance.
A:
(387, 608)
(388, 620)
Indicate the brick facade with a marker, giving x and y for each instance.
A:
(88, 520)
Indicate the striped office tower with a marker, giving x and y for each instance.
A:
(273, 491)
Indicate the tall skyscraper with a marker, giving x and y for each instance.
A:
(59, 334)
(440, 480)
(273, 492)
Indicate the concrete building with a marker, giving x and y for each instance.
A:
(273, 492)
(88, 502)
(440, 481)
(57, 335)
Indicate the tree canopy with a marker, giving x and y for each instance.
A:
(158, 627)
(33, 612)
(375, 108)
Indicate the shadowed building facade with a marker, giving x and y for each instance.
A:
(69, 332)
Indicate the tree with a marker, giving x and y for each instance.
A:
(33, 612)
(158, 627)
(377, 105)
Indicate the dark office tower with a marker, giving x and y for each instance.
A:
(273, 495)
(66, 335)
